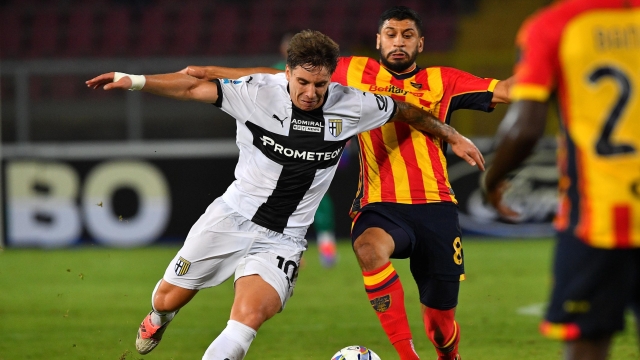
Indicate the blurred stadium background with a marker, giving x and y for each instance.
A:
(130, 169)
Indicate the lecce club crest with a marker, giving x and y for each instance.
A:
(335, 127)
(382, 303)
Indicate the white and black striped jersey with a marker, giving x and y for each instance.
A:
(288, 156)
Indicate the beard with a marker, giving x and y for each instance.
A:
(401, 65)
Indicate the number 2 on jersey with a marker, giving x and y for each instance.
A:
(604, 146)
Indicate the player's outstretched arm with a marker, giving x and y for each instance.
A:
(175, 85)
(520, 130)
(428, 123)
(501, 91)
(219, 72)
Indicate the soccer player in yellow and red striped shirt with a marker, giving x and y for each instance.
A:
(405, 207)
(400, 165)
(587, 54)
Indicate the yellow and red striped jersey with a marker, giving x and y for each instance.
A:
(587, 52)
(398, 163)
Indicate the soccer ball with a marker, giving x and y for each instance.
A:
(355, 353)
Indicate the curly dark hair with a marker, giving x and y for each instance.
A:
(401, 13)
(311, 50)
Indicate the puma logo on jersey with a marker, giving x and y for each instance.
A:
(281, 121)
(296, 154)
(249, 80)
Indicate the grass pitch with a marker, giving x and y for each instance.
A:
(86, 303)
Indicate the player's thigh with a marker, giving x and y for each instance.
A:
(255, 301)
(275, 257)
(383, 216)
(437, 262)
(277, 268)
(592, 289)
(438, 251)
(213, 249)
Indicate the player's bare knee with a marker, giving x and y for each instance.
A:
(369, 253)
(363, 249)
(251, 316)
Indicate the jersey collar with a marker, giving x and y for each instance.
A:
(404, 75)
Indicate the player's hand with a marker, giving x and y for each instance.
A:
(198, 72)
(468, 151)
(107, 80)
(495, 196)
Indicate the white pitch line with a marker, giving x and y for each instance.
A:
(532, 310)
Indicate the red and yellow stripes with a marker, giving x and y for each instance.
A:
(379, 279)
(621, 219)
(599, 187)
(453, 338)
(564, 332)
(398, 163)
(402, 165)
(587, 207)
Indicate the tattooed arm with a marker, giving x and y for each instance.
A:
(425, 122)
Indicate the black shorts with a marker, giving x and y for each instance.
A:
(428, 234)
(592, 288)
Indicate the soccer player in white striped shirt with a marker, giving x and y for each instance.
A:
(292, 129)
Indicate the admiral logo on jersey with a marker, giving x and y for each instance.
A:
(307, 125)
(283, 171)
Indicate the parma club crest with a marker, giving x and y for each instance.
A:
(335, 127)
(182, 266)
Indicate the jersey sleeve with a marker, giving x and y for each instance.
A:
(340, 74)
(468, 91)
(537, 66)
(237, 97)
(376, 110)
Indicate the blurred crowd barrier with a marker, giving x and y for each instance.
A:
(127, 195)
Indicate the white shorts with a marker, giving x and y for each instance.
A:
(223, 242)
